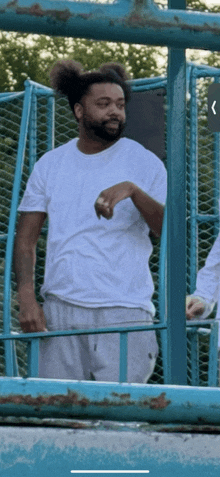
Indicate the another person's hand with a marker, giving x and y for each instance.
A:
(108, 198)
(194, 307)
(31, 317)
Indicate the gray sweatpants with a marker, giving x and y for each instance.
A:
(86, 357)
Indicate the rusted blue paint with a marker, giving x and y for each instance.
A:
(111, 401)
(133, 22)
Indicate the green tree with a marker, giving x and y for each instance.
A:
(25, 56)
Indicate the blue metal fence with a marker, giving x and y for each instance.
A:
(140, 22)
(29, 133)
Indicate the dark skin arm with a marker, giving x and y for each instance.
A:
(29, 226)
(150, 209)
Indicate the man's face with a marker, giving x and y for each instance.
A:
(103, 114)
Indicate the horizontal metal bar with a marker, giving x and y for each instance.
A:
(92, 331)
(39, 86)
(207, 218)
(7, 95)
(150, 86)
(132, 22)
(42, 92)
(203, 73)
(11, 97)
(40, 398)
(207, 69)
(199, 323)
(146, 81)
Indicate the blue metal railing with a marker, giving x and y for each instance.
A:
(124, 21)
(28, 124)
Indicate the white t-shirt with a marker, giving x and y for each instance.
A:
(92, 262)
(208, 283)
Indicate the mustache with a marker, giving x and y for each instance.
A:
(113, 120)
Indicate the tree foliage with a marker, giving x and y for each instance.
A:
(25, 56)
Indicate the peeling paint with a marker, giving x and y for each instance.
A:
(143, 15)
(160, 402)
(121, 396)
(149, 20)
(73, 399)
(106, 425)
(178, 405)
(36, 11)
(70, 399)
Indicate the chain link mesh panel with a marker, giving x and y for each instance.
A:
(10, 117)
(202, 201)
(66, 129)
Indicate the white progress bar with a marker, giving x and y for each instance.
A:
(110, 471)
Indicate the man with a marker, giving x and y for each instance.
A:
(97, 271)
(201, 303)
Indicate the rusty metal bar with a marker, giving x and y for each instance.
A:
(137, 21)
(111, 401)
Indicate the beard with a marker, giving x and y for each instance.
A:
(103, 130)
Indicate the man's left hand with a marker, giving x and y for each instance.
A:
(194, 307)
(108, 198)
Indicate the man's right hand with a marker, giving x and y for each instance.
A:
(194, 307)
(31, 317)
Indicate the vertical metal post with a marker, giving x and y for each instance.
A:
(194, 342)
(33, 133)
(123, 356)
(33, 357)
(193, 180)
(50, 122)
(216, 174)
(11, 229)
(163, 293)
(213, 355)
(176, 214)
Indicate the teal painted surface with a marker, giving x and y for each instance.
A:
(193, 179)
(132, 22)
(94, 400)
(213, 356)
(32, 133)
(35, 452)
(176, 218)
(123, 357)
(10, 96)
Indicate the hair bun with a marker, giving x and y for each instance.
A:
(65, 75)
(116, 68)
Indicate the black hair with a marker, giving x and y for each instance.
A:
(68, 78)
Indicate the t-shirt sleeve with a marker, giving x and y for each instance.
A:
(34, 198)
(208, 277)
